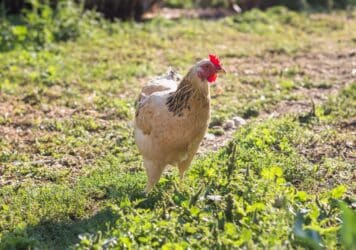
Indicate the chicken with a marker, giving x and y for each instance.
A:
(172, 117)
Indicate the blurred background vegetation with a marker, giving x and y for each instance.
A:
(135, 8)
(34, 23)
(263, 4)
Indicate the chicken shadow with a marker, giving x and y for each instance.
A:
(63, 234)
(57, 234)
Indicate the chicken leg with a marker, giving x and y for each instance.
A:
(183, 166)
(154, 172)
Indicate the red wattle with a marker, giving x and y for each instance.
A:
(212, 78)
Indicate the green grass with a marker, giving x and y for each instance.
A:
(69, 166)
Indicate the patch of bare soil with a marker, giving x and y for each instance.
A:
(324, 150)
(19, 119)
(22, 125)
(340, 145)
(213, 142)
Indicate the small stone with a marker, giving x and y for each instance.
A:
(229, 124)
(353, 205)
(249, 72)
(214, 197)
(304, 211)
(239, 121)
(236, 8)
(209, 137)
(273, 114)
(45, 108)
(349, 144)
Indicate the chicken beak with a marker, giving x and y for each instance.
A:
(221, 71)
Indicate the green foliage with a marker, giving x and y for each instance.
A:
(342, 105)
(41, 25)
(306, 237)
(231, 201)
(179, 3)
(277, 19)
(348, 231)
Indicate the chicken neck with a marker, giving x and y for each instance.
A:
(189, 95)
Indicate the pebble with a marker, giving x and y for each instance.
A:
(349, 144)
(249, 72)
(239, 121)
(209, 136)
(229, 124)
(45, 108)
(214, 197)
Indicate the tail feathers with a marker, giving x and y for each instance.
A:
(172, 74)
(163, 83)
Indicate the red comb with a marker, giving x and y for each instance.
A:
(214, 60)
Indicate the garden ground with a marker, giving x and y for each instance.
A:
(69, 165)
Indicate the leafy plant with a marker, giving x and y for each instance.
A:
(348, 231)
(41, 24)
